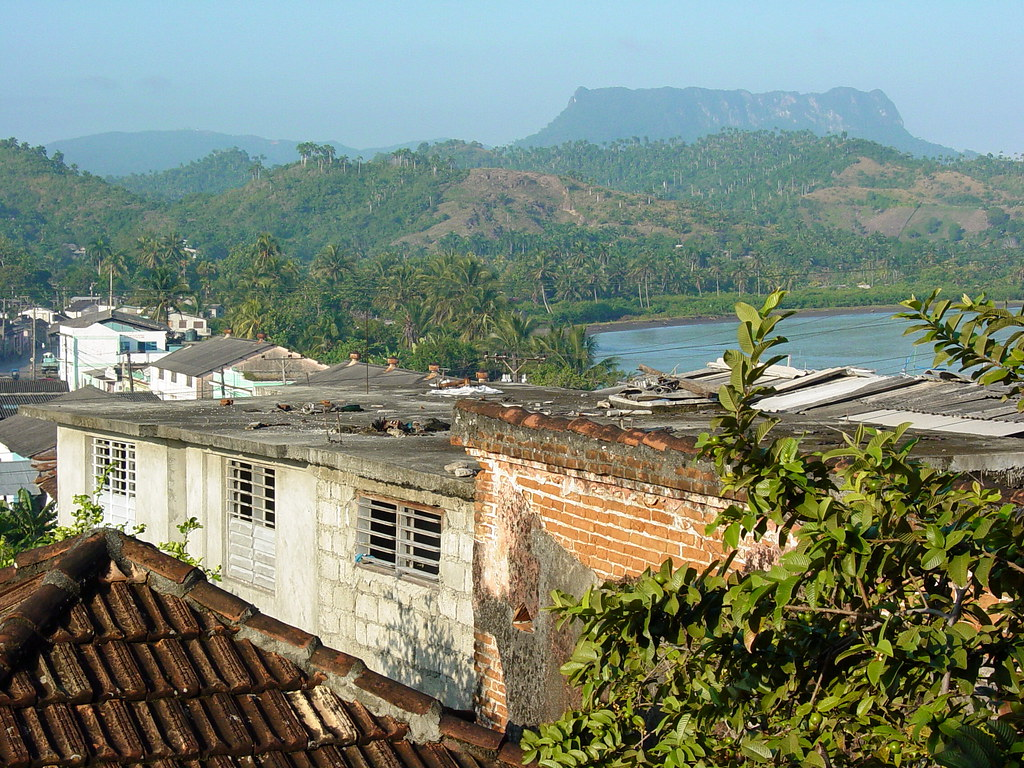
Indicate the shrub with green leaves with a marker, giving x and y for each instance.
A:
(887, 633)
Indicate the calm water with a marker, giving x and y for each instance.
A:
(863, 340)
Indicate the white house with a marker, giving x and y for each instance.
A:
(107, 339)
(227, 367)
(314, 515)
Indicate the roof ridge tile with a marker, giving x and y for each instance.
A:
(656, 439)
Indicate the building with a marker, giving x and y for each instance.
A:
(116, 654)
(107, 339)
(80, 306)
(31, 444)
(351, 508)
(227, 367)
(316, 512)
(184, 324)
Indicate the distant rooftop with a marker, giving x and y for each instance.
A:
(108, 315)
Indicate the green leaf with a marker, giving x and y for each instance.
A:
(957, 569)
(875, 670)
(747, 314)
(756, 749)
(932, 559)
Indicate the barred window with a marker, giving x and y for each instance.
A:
(114, 462)
(252, 519)
(399, 538)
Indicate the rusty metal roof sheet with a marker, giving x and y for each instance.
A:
(101, 665)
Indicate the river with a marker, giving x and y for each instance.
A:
(871, 340)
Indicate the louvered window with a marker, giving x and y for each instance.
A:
(113, 463)
(399, 538)
(252, 520)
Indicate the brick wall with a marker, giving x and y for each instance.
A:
(618, 500)
(560, 504)
(489, 701)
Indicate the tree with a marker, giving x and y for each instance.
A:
(888, 631)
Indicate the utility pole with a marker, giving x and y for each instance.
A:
(131, 379)
(33, 358)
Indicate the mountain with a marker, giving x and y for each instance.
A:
(123, 154)
(608, 114)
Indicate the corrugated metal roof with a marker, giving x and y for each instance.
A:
(940, 423)
(15, 475)
(212, 355)
(27, 436)
(933, 402)
(827, 391)
(107, 315)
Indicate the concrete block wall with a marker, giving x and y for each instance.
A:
(419, 633)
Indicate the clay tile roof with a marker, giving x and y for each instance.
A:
(113, 653)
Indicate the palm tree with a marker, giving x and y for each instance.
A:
(115, 265)
(148, 250)
(171, 250)
(540, 270)
(99, 249)
(569, 346)
(513, 333)
(248, 317)
(331, 265)
(401, 293)
(162, 291)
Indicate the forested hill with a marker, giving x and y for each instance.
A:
(124, 153)
(44, 204)
(219, 171)
(776, 177)
(752, 209)
(604, 115)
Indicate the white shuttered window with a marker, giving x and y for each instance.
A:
(113, 461)
(399, 538)
(252, 523)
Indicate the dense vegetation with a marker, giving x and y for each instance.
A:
(219, 171)
(876, 620)
(675, 229)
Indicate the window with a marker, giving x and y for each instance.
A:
(402, 539)
(174, 377)
(188, 381)
(113, 461)
(252, 520)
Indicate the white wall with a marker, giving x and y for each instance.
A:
(418, 633)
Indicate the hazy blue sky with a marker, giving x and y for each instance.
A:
(378, 73)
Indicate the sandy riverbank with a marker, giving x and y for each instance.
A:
(641, 324)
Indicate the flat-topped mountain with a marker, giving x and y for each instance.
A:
(607, 114)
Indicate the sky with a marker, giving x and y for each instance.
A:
(372, 74)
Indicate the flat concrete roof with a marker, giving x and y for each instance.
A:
(257, 427)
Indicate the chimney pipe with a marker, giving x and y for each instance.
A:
(353, 358)
(392, 363)
(227, 333)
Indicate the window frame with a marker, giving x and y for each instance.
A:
(114, 465)
(118, 471)
(250, 504)
(411, 550)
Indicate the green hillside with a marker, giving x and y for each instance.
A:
(577, 232)
(219, 171)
